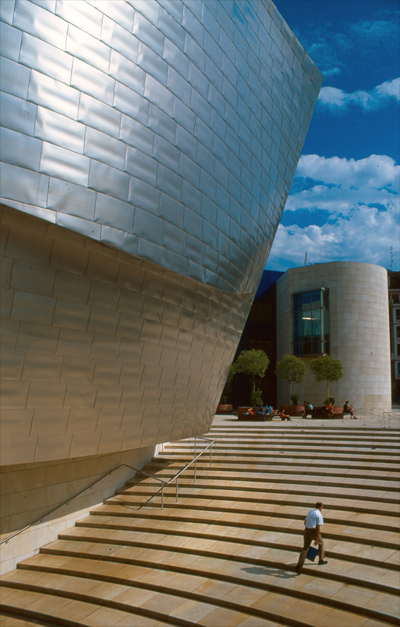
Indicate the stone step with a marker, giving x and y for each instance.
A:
(224, 555)
(289, 470)
(359, 484)
(258, 494)
(282, 452)
(379, 577)
(276, 460)
(94, 602)
(188, 499)
(262, 590)
(258, 483)
(267, 537)
(210, 514)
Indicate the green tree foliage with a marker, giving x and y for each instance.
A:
(290, 368)
(325, 368)
(252, 362)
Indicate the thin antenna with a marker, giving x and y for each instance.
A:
(305, 258)
(391, 257)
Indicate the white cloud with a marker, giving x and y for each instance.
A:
(338, 99)
(361, 199)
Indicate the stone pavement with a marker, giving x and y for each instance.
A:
(224, 553)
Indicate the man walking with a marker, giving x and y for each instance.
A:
(312, 526)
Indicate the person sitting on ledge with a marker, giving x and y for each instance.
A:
(270, 411)
(251, 412)
(329, 410)
(307, 409)
(284, 416)
(348, 409)
(261, 412)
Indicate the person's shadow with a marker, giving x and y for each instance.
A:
(280, 573)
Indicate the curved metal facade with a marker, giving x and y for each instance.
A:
(165, 131)
(170, 130)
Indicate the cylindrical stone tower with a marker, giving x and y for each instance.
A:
(358, 333)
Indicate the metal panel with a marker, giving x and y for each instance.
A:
(31, 18)
(172, 28)
(88, 48)
(131, 103)
(60, 130)
(158, 95)
(104, 148)
(79, 13)
(166, 153)
(146, 197)
(14, 78)
(169, 182)
(113, 212)
(108, 180)
(85, 227)
(162, 124)
(45, 58)
(176, 58)
(137, 135)
(119, 12)
(53, 95)
(141, 166)
(98, 115)
(23, 185)
(64, 164)
(17, 114)
(7, 11)
(127, 72)
(20, 150)
(72, 199)
(91, 81)
(146, 32)
(120, 39)
(152, 63)
(10, 41)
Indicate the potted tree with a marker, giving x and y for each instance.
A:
(325, 368)
(255, 363)
(291, 369)
(223, 405)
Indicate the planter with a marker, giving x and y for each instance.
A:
(318, 412)
(292, 410)
(224, 409)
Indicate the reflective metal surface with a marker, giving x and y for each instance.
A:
(147, 152)
(206, 99)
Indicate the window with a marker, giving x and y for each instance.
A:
(311, 322)
(397, 314)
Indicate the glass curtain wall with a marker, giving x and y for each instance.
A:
(311, 322)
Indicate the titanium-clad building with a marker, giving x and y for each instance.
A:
(147, 152)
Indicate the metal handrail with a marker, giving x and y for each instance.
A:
(175, 477)
(109, 472)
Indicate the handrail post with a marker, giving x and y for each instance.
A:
(177, 489)
(162, 496)
(210, 453)
(195, 458)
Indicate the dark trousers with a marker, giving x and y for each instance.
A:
(309, 536)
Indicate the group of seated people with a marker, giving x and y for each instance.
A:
(262, 411)
(268, 410)
(328, 409)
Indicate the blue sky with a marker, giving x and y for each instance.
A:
(344, 202)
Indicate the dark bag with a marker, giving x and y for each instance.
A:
(312, 553)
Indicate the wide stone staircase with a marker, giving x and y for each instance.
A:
(224, 553)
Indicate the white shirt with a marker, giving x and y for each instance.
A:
(314, 518)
